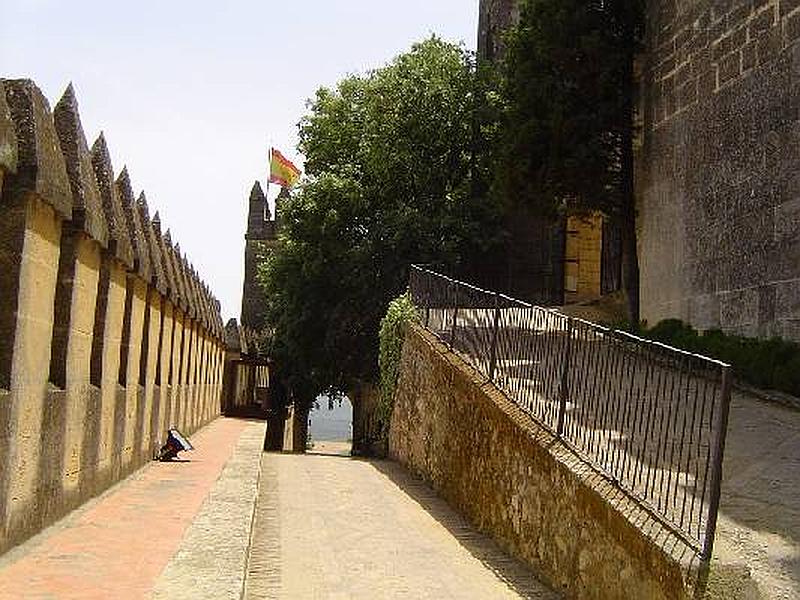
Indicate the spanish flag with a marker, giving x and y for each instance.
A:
(281, 170)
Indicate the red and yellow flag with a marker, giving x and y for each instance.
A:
(281, 170)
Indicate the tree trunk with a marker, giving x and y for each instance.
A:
(276, 415)
(630, 257)
(300, 427)
(367, 439)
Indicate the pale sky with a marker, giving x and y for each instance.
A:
(191, 94)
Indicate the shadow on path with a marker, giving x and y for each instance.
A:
(511, 571)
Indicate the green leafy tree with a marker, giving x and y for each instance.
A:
(390, 164)
(569, 90)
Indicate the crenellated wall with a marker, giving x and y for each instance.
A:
(108, 336)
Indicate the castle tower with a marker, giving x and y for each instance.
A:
(261, 233)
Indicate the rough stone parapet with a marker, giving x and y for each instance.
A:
(40, 165)
(8, 139)
(166, 260)
(119, 240)
(141, 254)
(157, 265)
(177, 292)
(87, 206)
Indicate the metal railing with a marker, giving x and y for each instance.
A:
(650, 417)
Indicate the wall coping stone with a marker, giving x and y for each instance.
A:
(40, 165)
(119, 240)
(157, 265)
(87, 205)
(141, 256)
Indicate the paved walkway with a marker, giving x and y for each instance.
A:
(759, 523)
(179, 529)
(331, 527)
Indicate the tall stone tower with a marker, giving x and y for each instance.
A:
(494, 18)
(261, 234)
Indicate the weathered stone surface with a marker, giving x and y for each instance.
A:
(183, 267)
(516, 482)
(233, 339)
(177, 275)
(119, 241)
(8, 139)
(258, 213)
(166, 261)
(141, 253)
(202, 303)
(87, 207)
(194, 304)
(156, 259)
(719, 212)
(40, 165)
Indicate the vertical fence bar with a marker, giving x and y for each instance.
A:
(563, 392)
(716, 472)
(493, 347)
(455, 314)
(629, 389)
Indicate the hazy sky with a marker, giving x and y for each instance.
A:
(190, 94)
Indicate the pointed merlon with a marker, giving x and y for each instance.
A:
(190, 295)
(141, 253)
(258, 213)
(180, 278)
(87, 206)
(40, 165)
(156, 259)
(119, 240)
(166, 248)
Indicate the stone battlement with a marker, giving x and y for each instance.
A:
(108, 336)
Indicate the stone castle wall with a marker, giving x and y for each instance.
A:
(717, 179)
(108, 337)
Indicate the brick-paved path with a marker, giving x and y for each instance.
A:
(145, 534)
(331, 527)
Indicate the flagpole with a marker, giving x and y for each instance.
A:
(269, 167)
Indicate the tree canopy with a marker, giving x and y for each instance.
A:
(566, 86)
(390, 173)
(567, 132)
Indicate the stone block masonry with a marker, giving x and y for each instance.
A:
(518, 483)
(718, 190)
(107, 335)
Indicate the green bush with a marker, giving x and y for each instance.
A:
(401, 311)
(773, 363)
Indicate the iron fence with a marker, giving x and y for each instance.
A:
(650, 417)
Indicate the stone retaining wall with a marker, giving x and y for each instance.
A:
(107, 335)
(516, 482)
